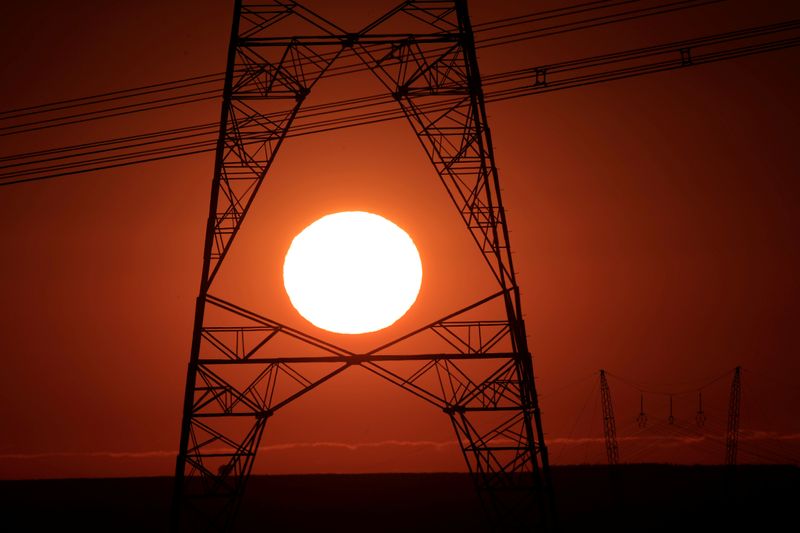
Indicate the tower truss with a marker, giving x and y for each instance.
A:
(478, 370)
(609, 422)
(734, 407)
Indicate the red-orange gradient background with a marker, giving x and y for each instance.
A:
(654, 223)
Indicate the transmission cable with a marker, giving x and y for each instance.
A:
(333, 71)
(318, 115)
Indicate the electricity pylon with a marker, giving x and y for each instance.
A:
(609, 422)
(734, 405)
(479, 371)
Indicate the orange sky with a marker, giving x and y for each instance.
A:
(653, 220)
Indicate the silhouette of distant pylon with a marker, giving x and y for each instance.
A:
(609, 422)
(734, 405)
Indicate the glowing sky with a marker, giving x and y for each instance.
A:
(654, 223)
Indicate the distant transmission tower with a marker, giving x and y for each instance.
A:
(700, 416)
(732, 435)
(479, 371)
(609, 423)
(641, 418)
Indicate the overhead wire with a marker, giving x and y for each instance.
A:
(640, 388)
(118, 111)
(547, 14)
(368, 118)
(710, 438)
(335, 110)
(113, 95)
(381, 116)
(99, 144)
(593, 23)
(697, 442)
(333, 71)
(364, 118)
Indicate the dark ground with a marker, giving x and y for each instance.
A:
(589, 498)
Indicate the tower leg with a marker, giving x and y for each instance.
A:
(479, 370)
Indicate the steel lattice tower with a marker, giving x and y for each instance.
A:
(734, 405)
(609, 422)
(480, 373)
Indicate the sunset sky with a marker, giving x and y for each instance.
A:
(654, 223)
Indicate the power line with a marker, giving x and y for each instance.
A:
(595, 22)
(108, 142)
(640, 388)
(118, 111)
(113, 95)
(349, 68)
(374, 109)
(710, 438)
(547, 14)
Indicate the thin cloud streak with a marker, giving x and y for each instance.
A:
(670, 440)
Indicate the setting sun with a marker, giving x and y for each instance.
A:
(352, 272)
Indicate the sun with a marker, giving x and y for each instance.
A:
(352, 272)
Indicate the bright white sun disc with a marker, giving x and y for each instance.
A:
(352, 272)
